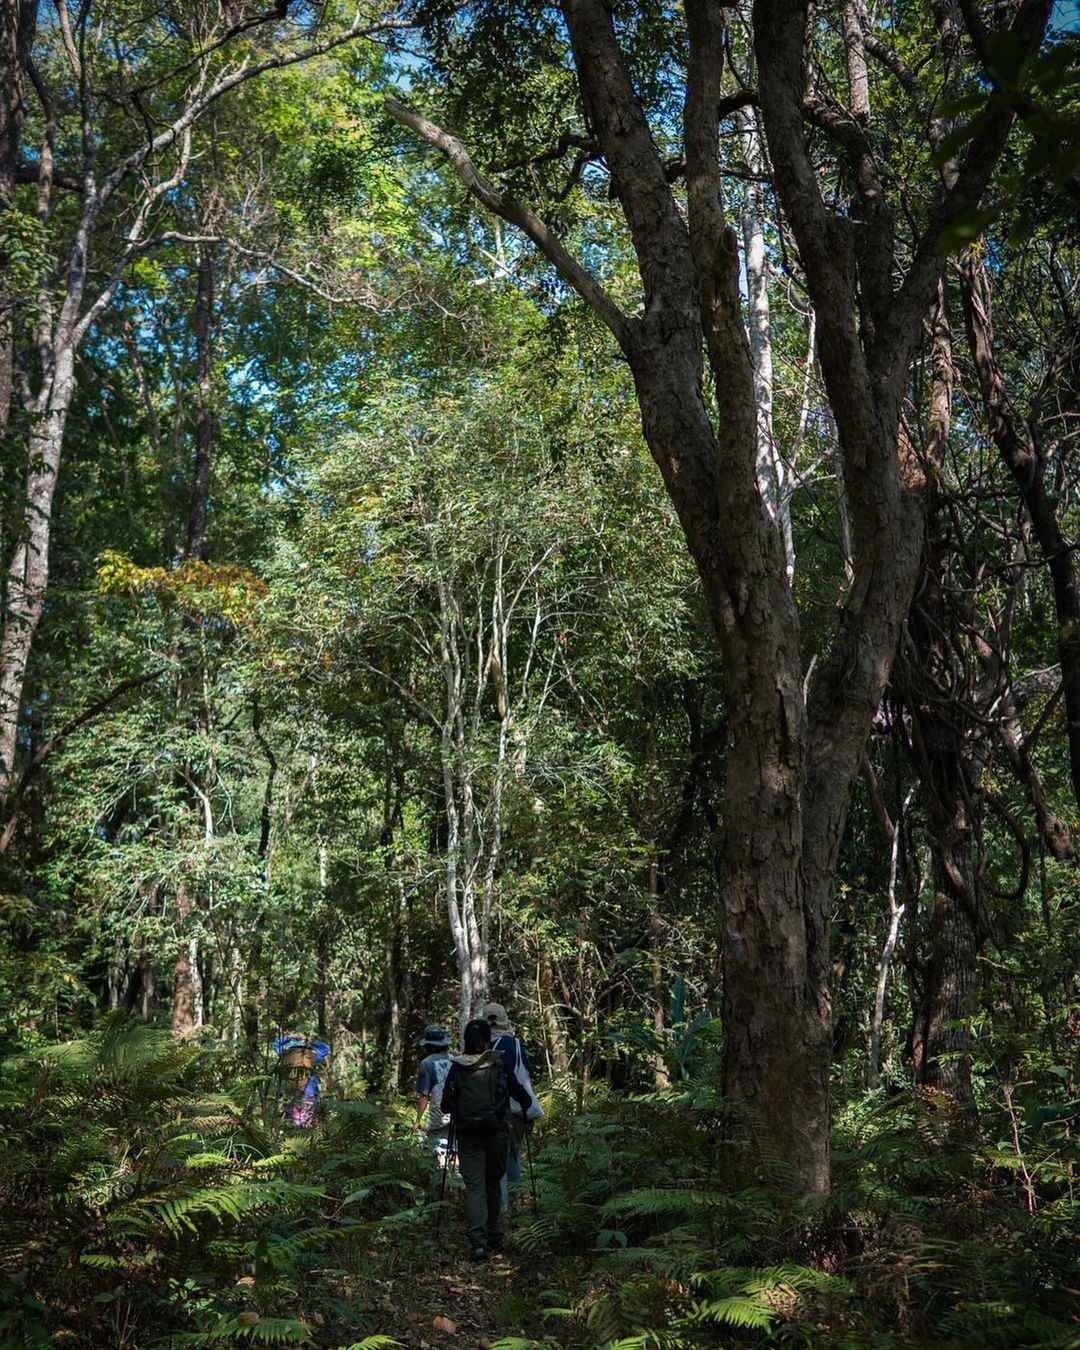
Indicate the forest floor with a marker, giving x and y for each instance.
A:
(465, 1303)
(458, 1302)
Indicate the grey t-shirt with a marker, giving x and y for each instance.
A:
(430, 1079)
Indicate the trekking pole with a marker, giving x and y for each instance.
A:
(532, 1174)
(450, 1141)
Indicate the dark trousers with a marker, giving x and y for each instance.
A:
(482, 1161)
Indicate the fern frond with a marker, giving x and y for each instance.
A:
(737, 1310)
(521, 1343)
(650, 1340)
(228, 1330)
(652, 1202)
(232, 1201)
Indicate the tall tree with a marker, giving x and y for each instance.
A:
(125, 168)
(791, 754)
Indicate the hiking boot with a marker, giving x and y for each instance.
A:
(478, 1254)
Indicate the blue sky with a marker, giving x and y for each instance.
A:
(1066, 14)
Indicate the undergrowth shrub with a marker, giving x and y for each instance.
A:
(145, 1200)
(654, 1238)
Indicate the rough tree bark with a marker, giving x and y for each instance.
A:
(789, 760)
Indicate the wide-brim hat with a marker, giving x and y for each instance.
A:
(497, 1018)
(436, 1036)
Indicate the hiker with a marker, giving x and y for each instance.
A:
(432, 1124)
(477, 1097)
(516, 1065)
(299, 1056)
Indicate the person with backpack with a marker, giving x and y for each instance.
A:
(477, 1099)
(516, 1066)
(298, 1059)
(432, 1122)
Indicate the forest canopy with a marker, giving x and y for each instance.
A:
(568, 505)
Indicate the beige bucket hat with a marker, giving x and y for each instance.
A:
(495, 1015)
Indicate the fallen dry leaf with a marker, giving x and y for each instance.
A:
(414, 1317)
(247, 1280)
(444, 1324)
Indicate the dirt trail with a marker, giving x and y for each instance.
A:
(458, 1302)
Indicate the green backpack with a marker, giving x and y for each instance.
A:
(480, 1102)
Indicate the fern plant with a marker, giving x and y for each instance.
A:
(140, 1203)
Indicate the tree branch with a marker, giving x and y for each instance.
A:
(898, 335)
(31, 173)
(883, 53)
(638, 178)
(14, 799)
(511, 210)
(224, 85)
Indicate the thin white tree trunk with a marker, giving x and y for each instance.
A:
(478, 756)
(771, 471)
(28, 572)
(197, 1005)
(451, 667)
(846, 546)
(896, 912)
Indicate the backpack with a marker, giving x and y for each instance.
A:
(478, 1100)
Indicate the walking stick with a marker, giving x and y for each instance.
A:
(532, 1174)
(450, 1142)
